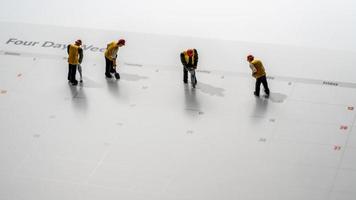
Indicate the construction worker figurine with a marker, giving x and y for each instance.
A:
(110, 58)
(189, 59)
(75, 57)
(258, 71)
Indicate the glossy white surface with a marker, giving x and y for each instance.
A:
(149, 136)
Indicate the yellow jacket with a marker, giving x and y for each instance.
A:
(111, 51)
(75, 54)
(185, 59)
(260, 69)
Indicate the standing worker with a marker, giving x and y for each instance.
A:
(258, 71)
(111, 56)
(75, 57)
(189, 59)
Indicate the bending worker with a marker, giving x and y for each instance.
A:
(189, 59)
(111, 56)
(258, 71)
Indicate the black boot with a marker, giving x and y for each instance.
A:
(117, 75)
(75, 82)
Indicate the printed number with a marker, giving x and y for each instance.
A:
(350, 108)
(343, 127)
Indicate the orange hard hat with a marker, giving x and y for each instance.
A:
(250, 57)
(78, 42)
(190, 52)
(121, 41)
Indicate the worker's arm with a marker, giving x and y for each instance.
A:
(114, 55)
(114, 63)
(182, 59)
(196, 58)
(80, 52)
(253, 68)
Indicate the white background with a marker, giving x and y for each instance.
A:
(318, 23)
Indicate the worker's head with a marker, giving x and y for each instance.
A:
(78, 42)
(190, 52)
(121, 42)
(250, 58)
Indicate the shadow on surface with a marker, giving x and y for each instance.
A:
(277, 97)
(132, 77)
(211, 90)
(88, 83)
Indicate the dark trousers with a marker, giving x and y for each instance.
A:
(185, 75)
(71, 73)
(262, 80)
(109, 67)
